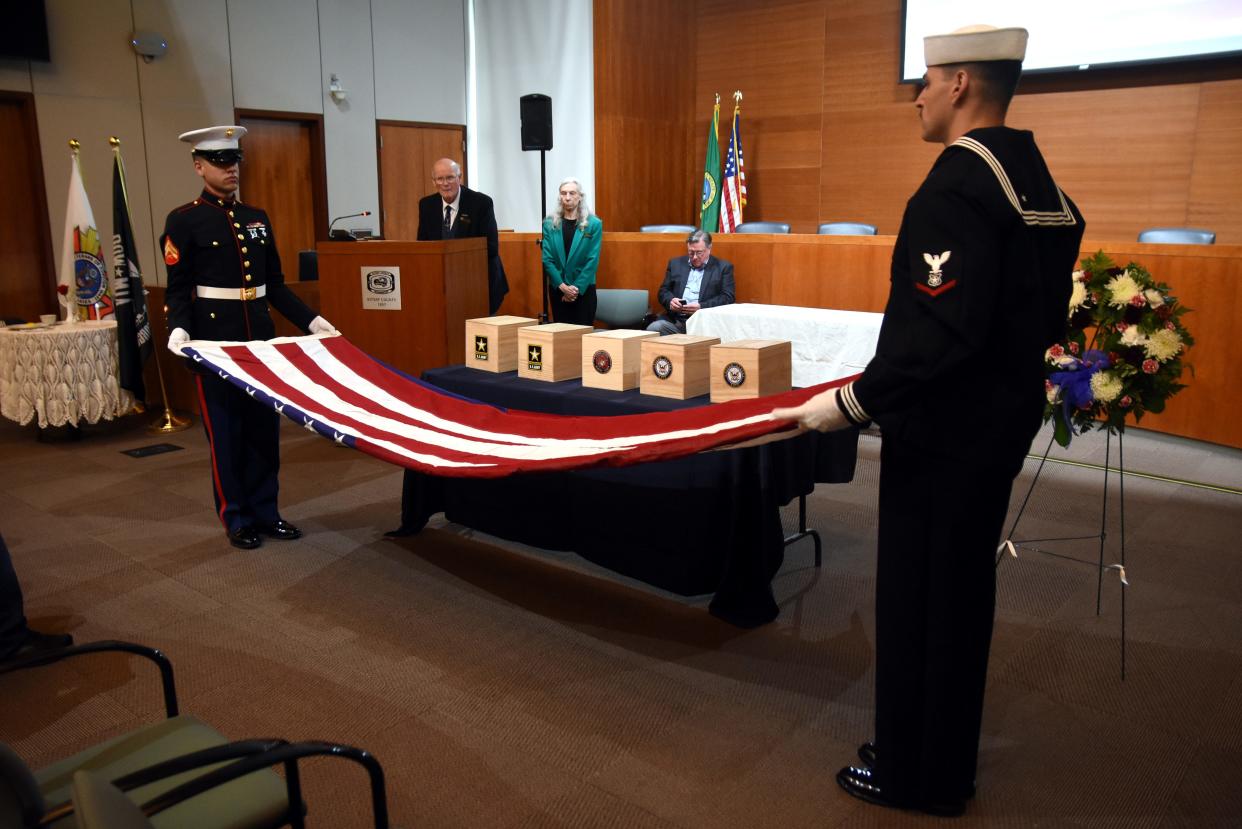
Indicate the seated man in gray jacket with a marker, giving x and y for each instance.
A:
(693, 282)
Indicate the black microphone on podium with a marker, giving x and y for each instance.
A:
(344, 235)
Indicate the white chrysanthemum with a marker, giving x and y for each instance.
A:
(1079, 276)
(1133, 336)
(1052, 393)
(1154, 298)
(1121, 289)
(1105, 386)
(1163, 345)
(1077, 296)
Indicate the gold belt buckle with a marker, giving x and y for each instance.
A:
(248, 293)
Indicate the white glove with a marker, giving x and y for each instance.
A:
(177, 338)
(319, 325)
(821, 413)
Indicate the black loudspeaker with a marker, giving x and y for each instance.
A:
(536, 122)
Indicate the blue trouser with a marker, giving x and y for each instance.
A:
(13, 628)
(244, 438)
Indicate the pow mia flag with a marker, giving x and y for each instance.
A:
(133, 326)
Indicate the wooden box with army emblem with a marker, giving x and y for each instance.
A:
(750, 368)
(610, 359)
(675, 366)
(492, 342)
(551, 352)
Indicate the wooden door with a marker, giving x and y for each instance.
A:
(27, 271)
(406, 153)
(283, 173)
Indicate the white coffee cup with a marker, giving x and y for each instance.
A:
(47, 319)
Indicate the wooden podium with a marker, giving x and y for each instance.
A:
(438, 285)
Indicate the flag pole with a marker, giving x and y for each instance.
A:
(171, 421)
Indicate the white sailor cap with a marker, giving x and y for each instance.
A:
(215, 143)
(971, 44)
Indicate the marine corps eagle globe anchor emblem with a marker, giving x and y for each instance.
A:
(935, 276)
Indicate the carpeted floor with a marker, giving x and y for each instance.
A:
(505, 686)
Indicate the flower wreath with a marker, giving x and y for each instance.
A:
(1122, 352)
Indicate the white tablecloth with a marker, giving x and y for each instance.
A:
(62, 374)
(827, 344)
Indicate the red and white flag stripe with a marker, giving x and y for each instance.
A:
(331, 387)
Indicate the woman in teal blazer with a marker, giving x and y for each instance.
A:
(571, 242)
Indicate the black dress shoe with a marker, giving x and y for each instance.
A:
(866, 753)
(861, 783)
(244, 538)
(282, 530)
(37, 643)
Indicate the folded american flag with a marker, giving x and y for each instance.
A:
(330, 386)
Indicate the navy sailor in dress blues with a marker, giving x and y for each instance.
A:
(980, 285)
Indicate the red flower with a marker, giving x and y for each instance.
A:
(1150, 366)
(1057, 351)
(1126, 402)
(1121, 327)
(1073, 347)
(1137, 301)
(63, 290)
(1169, 325)
(1114, 358)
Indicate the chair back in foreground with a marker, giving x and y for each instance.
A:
(308, 265)
(846, 229)
(1177, 236)
(621, 307)
(687, 229)
(763, 227)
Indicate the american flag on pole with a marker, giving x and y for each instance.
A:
(734, 174)
(331, 387)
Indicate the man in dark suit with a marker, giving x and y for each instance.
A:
(223, 274)
(457, 212)
(692, 282)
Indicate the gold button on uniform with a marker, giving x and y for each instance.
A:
(213, 314)
(235, 224)
(230, 214)
(246, 263)
(244, 250)
(240, 237)
(247, 277)
(214, 243)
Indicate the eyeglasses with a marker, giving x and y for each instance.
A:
(444, 179)
(697, 253)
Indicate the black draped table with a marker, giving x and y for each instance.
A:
(709, 523)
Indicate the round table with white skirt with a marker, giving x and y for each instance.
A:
(61, 374)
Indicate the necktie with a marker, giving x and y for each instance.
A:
(448, 222)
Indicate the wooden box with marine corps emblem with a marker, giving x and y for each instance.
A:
(492, 342)
(675, 366)
(551, 352)
(611, 359)
(750, 368)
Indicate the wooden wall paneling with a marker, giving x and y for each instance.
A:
(774, 53)
(27, 268)
(1124, 171)
(523, 262)
(1216, 177)
(407, 151)
(644, 113)
(279, 175)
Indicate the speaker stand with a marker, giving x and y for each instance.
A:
(543, 208)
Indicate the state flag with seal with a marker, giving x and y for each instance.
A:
(83, 278)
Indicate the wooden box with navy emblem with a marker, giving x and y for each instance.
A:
(551, 352)
(611, 359)
(751, 368)
(675, 366)
(492, 342)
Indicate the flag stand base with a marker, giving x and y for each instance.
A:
(171, 422)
